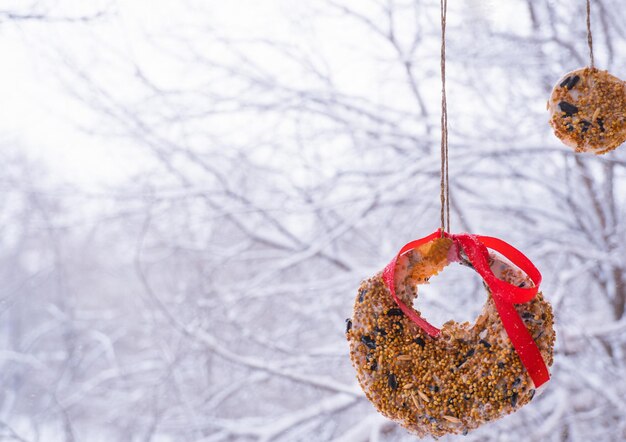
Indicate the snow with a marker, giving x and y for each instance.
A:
(192, 192)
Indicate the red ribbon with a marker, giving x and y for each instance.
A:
(503, 293)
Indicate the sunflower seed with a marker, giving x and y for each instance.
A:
(362, 294)
(573, 82)
(392, 381)
(369, 342)
(568, 108)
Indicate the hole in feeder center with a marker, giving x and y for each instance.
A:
(456, 293)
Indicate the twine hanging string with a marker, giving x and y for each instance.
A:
(589, 36)
(445, 186)
(504, 295)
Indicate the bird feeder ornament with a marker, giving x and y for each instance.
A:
(451, 380)
(588, 110)
(588, 106)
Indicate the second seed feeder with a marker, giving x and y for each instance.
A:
(588, 110)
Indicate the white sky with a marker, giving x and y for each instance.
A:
(39, 117)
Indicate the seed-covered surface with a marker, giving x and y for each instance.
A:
(468, 375)
(588, 110)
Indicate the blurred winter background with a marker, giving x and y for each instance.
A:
(193, 190)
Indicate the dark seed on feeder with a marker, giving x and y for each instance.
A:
(585, 125)
(461, 362)
(570, 127)
(500, 365)
(485, 343)
(362, 295)
(394, 312)
(380, 331)
(431, 419)
(470, 353)
(516, 382)
(527, 315)
(540, 334)
(532, 394)
(521, 284)
(369, 342)
(419, 341)
(568, 108)
(392, 381)
(399, 326)
(514, 400)
(573, 82)
(600, 123)
(465, 431)
(348, 325)
(434, 388)
(565, 82)
(374, 365)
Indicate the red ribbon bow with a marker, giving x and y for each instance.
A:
(503, 293)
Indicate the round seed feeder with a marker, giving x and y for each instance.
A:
(588, 110)
(451, 380)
